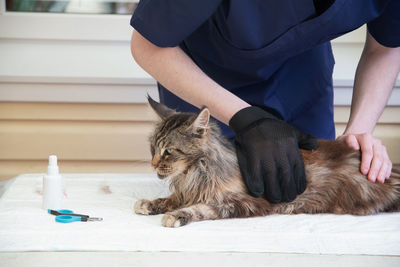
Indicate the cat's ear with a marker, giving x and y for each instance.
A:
(162, 111)
(200, 124)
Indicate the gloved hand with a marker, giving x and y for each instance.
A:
(268, 153)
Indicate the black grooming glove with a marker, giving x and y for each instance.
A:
(268, 153)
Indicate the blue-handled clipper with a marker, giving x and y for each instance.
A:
(68, 216)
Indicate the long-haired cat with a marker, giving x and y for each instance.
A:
(206, 184)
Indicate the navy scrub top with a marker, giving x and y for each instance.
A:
(272, 54)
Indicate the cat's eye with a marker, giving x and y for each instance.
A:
(170, 150)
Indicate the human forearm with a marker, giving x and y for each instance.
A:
(178, 73)
(376, 74)
(375, 77)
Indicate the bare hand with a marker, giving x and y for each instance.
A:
(375, 160)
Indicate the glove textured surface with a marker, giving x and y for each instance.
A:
(268, 154)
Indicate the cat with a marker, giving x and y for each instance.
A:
(206, 184)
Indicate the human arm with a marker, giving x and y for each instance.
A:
(176, 71)
(375, 77)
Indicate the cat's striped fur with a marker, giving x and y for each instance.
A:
(205, 181)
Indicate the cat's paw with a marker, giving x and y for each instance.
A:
(142, 207)
(175, 219)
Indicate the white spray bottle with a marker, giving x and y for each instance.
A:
(53, 186)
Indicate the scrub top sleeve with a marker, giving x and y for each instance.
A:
(386, 28)
(166, 23)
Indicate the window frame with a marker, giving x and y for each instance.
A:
(24, 25)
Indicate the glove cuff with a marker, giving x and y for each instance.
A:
(246, 116)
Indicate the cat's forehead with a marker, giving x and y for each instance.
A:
(175, 122)
(172, 129)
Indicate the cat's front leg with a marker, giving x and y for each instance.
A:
(198, 212)
(157, 206)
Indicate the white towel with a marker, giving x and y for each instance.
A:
(24, 226)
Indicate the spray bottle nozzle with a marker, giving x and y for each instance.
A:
(52, 169)
(53, 160)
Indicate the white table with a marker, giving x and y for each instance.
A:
(28, 233)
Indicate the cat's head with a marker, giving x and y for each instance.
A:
(178, 139)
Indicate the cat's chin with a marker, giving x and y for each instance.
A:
(162, 176)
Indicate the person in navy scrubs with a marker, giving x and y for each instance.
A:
(264, 69)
